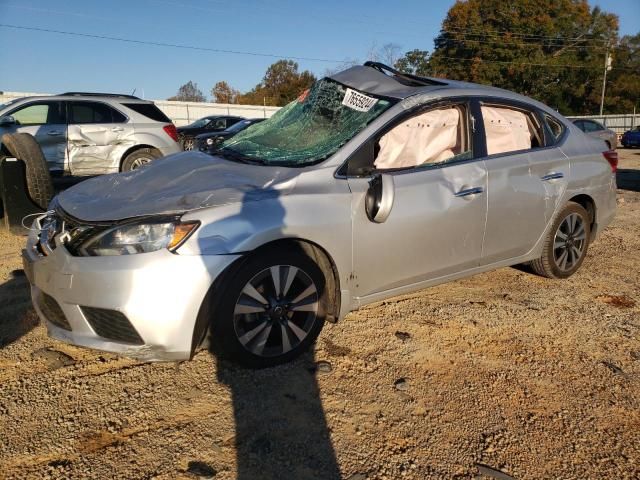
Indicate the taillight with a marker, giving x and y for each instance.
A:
(612, 157)
(171, 131)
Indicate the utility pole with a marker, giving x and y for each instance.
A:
(607, 67)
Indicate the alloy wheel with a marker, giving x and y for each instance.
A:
(276, 310)
(569, 242)
(138, 162)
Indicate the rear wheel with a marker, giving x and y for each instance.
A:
(566, 244)
(138, 158)
(271, 309)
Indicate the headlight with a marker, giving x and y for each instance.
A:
(138, 238)
(210, 141)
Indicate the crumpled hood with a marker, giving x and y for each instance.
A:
(174, 184)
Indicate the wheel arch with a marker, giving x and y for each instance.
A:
(314, 251)
(589, 205)
(134, 148)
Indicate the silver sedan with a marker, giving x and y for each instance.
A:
(371, 184)
(597, 130)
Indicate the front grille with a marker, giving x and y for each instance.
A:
(52, 311)
(112, 325)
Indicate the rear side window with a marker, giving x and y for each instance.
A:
(510, 129)
(149, 110)
(93, 112)
(556, 127)
(592, 126)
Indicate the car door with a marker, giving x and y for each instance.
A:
(98, 137)
(45, 120)
(527, 175)
(436, 224)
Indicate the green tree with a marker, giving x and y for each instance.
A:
(222, 92)
(623, 81)
(415, 62)
(189, 92)
(552, 50)
(281, 84)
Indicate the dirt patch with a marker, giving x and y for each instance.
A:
(620, 301)
(503, 375)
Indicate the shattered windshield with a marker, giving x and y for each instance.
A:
(309, 129)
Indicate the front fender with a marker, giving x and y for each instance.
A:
(322, 218)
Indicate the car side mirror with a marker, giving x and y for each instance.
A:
(379, 198)
(7, 120)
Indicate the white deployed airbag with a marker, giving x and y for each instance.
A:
(506, 130)
(427, 138)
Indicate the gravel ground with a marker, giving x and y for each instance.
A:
(505, 373)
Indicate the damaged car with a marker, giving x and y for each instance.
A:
(92, 133)
(371, 184)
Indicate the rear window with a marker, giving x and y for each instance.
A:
(149, 110)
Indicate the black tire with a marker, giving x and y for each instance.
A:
(227, 327)
(24, 147)
(549, 264)
(138, 158)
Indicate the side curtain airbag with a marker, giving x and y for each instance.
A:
(426, 138)
(507, 130)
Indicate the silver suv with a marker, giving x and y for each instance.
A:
(92, 133)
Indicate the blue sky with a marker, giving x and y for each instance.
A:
(331, 29)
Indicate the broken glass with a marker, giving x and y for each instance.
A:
(309, 129)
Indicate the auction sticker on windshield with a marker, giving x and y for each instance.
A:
(358, 101)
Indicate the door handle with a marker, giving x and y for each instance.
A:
(469, 191)
(552, 176)
(54, 133)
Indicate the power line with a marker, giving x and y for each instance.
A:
(502, 33)
(172, 45)
(527, 44)
(270, 55)
(531, 64)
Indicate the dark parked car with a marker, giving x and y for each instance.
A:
(631, 138)
(213, 123)
(206, 142)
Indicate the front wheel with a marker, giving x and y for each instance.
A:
(188, 143)
(566, 244)
(270, 310)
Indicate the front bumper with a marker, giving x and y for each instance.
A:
(159, 293)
